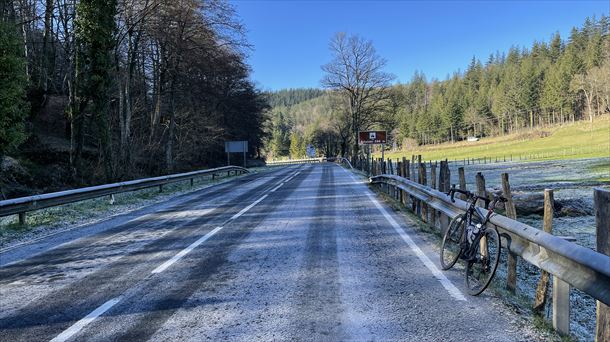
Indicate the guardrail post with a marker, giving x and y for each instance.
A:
(561, 306)
(543, 284)
(160, 187)
(511, 212)
(192, 182)
(601, 198)
(22, 219)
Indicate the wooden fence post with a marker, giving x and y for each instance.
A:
(423, 181)
(462, 181)
(601, 198)
(419, 166)
(433, 184)
(413, 169)
(400, 174)
(441, 176)
(443, 185)
(480, 180)
(511, 212)
(389, 170)
(547, 226)
(447, 177)
(414, 179)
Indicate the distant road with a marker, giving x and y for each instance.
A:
(299, 253)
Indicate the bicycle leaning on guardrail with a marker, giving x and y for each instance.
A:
(470, 238)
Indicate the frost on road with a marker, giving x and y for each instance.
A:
(300, 253)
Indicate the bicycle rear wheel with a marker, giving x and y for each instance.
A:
(451, 247)
(481, 270)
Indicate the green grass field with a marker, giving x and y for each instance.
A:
(579, 140)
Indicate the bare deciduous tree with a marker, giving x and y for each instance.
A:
(356, 72)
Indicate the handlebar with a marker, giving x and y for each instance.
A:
(472, 196)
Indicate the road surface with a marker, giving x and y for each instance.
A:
(303, 252)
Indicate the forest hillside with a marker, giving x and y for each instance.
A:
(555, 82)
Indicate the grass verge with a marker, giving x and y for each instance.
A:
(92, 210)
(574, 141)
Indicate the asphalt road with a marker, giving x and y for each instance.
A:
(300, 253)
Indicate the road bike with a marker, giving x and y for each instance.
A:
(469, 237)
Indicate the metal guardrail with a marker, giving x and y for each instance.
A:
(340, 160)
(24, 204)
(578, 266)
(311, 161)
(296, 161)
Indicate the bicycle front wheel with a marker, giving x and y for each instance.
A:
(480, 271)
(451, 247)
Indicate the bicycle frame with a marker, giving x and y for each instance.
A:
(467, 247)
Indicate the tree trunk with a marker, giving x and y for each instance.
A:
(169, 147)
(46, 60)
(589, 105)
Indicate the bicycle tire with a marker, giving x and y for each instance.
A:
(480, 272)
(451, 247)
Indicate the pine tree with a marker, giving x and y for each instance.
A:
(556, 48)
(297, 146)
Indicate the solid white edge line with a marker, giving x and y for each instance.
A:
(76, 327)
(447, 284)
(185, 251)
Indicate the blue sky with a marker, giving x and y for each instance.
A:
(291, 38)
